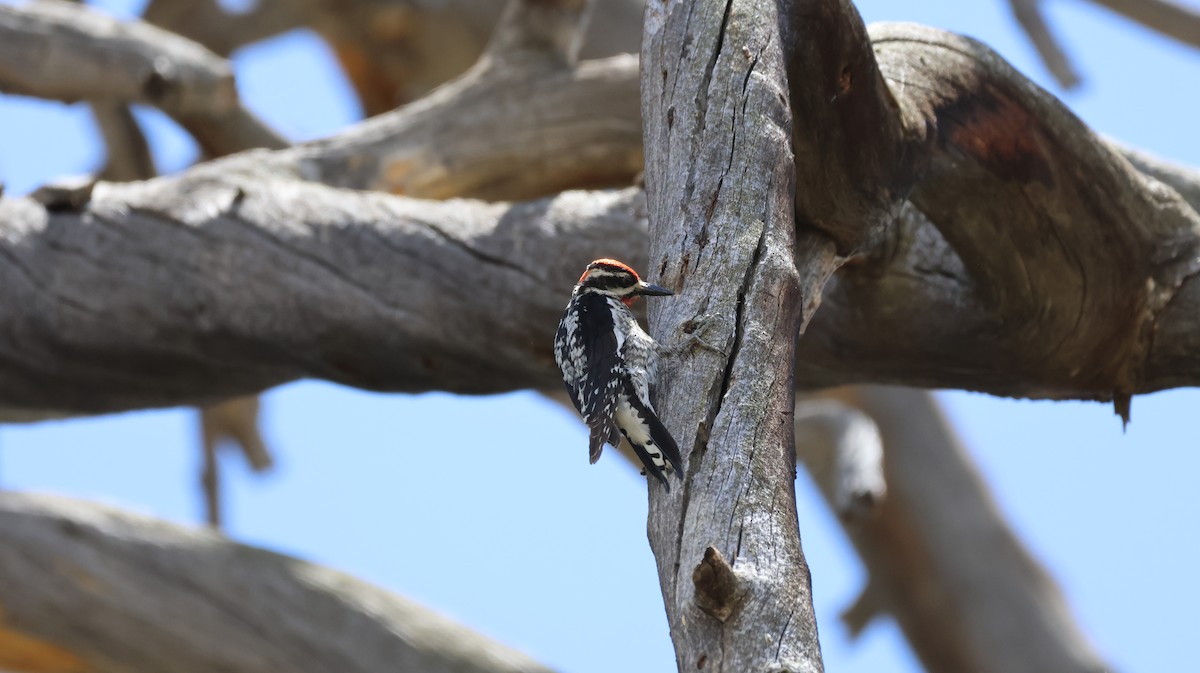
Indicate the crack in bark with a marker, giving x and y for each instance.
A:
(478, 254)
(38, 288)
(335, 272)
(783, 632)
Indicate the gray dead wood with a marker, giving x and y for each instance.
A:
(1029, 14)
(525, 121)
(1162, 16)
(943, 329)
(564, 126)
(942, 560)
(231, 281)
(210, 24)
(843, 451)
(1174, 19)
(67, 52)
(161, 597)
(1036, 254)
(128, 158)
(63, 51)
(720, 183)
(236, 419)
(127, 154)
(912, 276)
(397, 50)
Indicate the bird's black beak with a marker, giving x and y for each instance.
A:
(652, 290)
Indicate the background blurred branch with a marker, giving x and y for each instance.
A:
(128, 158)
(206, 22)
(942, 561)
(1029, 15)
(67, 52)
(88, 587)
(1172, 19)
(127, 154)
(1162, 16)
(63, 51)
(842, 449)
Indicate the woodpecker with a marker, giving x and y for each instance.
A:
(608, 361)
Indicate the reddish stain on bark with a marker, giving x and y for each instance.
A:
(995, 130)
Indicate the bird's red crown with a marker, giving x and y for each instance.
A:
(612, 263)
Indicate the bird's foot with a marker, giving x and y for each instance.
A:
(695, 331)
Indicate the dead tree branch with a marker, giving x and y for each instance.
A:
(206, 22)
(63, 51)
(943, 562)
(67, 52)
(842, 449)
(128, 158)
(127, 154)
(395, 51)
(163, 597)
(913, 285)
(1043, 254)
(565, 127)
(233, 281)
(1162, 16)
(1029, 14)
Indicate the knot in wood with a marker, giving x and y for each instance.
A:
(717, 586)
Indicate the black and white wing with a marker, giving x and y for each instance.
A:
(650, 439)
(587, 353)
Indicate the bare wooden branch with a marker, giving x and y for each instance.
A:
(206, 22)
(1048, 253)
(565, 128)
(852, 170)
(232, 281)
(127, 154)
(720, 184)
(234, 420)
(913, 285)
(162, 597)
(68, 52)
(128, 158)
(1029, 15)
(1183, 179)
(918, 294)
(395, 51)
(532, 31)
(842, 449)
(1163, 16)
(230, 132)
(943, 562)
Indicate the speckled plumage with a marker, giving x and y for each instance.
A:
(608, 361)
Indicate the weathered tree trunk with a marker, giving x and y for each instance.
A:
(720, 183)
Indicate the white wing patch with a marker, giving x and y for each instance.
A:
(637, 431)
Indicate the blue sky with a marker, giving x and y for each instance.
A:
(486, 508)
